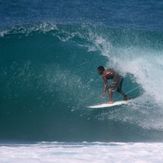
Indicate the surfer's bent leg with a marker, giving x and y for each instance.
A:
(119, 89)
(110, 91)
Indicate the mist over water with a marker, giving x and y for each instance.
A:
(143, 61)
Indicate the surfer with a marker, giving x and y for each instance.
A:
(115, 84)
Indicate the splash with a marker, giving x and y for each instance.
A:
(147, 69)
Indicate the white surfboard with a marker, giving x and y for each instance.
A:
(107, 105)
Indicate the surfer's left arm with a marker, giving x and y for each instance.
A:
(104, 86)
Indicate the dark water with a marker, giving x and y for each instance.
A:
(49, 52)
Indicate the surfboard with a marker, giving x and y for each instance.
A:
(107, 105)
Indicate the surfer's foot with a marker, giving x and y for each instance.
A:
(110, 102)
(125, 98)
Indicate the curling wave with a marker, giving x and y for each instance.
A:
(48, 77)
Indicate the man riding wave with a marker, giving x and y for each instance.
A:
(116, 84)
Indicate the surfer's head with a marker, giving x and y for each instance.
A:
(100, 70)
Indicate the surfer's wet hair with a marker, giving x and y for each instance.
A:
(101, 68)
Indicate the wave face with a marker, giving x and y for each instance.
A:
(48, 77)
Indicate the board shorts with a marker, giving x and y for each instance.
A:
(116, 84)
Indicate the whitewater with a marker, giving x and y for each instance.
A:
(82, 152)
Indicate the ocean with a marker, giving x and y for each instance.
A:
(49, 52)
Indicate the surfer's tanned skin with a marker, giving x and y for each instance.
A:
(116, 84)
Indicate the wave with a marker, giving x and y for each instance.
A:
(48, 77)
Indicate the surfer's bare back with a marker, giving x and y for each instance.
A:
(116, 84)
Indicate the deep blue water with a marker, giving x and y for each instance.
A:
(128, 13)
